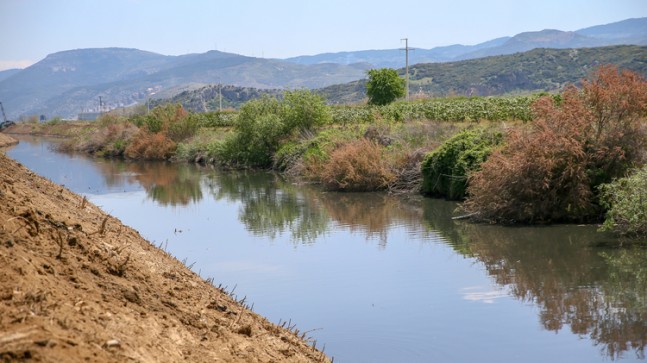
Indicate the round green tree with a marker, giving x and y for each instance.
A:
(384, 86)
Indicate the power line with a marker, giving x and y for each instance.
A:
(406, 76)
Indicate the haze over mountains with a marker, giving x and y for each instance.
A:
(630, 31)
(68, 82)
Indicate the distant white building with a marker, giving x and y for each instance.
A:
(89, 116)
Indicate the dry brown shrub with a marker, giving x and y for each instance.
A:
(357, 166)
(110, 140)
(549, 171)
(149, 146)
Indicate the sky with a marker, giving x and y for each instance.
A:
(32, 29)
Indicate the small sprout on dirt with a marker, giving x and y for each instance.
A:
(102, 230)
(84, 201)
(60, 245)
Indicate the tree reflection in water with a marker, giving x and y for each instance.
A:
(166, 183)
(571, 273)
(270, 206)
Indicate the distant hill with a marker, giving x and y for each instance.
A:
(69, 82)
(394, 58)
(207, 98)
(627, 32)
(66, 83)
(8, 73)
(532, 71)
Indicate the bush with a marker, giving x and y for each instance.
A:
(307, 156)
(150, 146)
(626, 203)
(356, 166)
(170, 119)
(550, 171)
(446, 169)
(109, 139)
(265, 124)
(303, 111)
(258, 133)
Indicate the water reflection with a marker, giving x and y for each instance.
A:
(593, 291)
(571, 275)
(596, 291)
(270, 205)
(166, 183)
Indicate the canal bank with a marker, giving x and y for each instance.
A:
(6, 140)
(78, 285)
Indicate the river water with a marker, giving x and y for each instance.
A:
(376, 278)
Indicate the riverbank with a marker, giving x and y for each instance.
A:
(6, 140)
(78, 285)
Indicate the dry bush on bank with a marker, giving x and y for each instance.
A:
(109, 140)
(356, 166)
(149, 146)
(549, 171)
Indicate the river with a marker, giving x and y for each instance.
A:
(376, 278)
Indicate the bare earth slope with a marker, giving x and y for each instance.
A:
(76, 285)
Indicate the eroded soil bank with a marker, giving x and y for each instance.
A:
(77, 285)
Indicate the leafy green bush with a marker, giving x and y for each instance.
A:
(264, 124)
(626, 203)
(304, 110)
(446, 170)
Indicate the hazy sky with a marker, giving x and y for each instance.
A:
(32, 29)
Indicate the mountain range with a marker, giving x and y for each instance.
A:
(630, 31)
(68, 82)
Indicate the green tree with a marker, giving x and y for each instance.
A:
(384, 86)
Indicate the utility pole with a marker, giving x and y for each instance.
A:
(406, 76)
(220, 95)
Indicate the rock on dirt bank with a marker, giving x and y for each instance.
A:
(76, 285)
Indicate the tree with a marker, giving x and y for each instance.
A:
(384, 86)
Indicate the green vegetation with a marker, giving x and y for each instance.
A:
(384, 86)
(450, 109)
(626, 203)
(445, 170)
(266, 123)
(516, 159)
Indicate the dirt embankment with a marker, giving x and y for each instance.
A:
(6, 140)
(77, 285)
